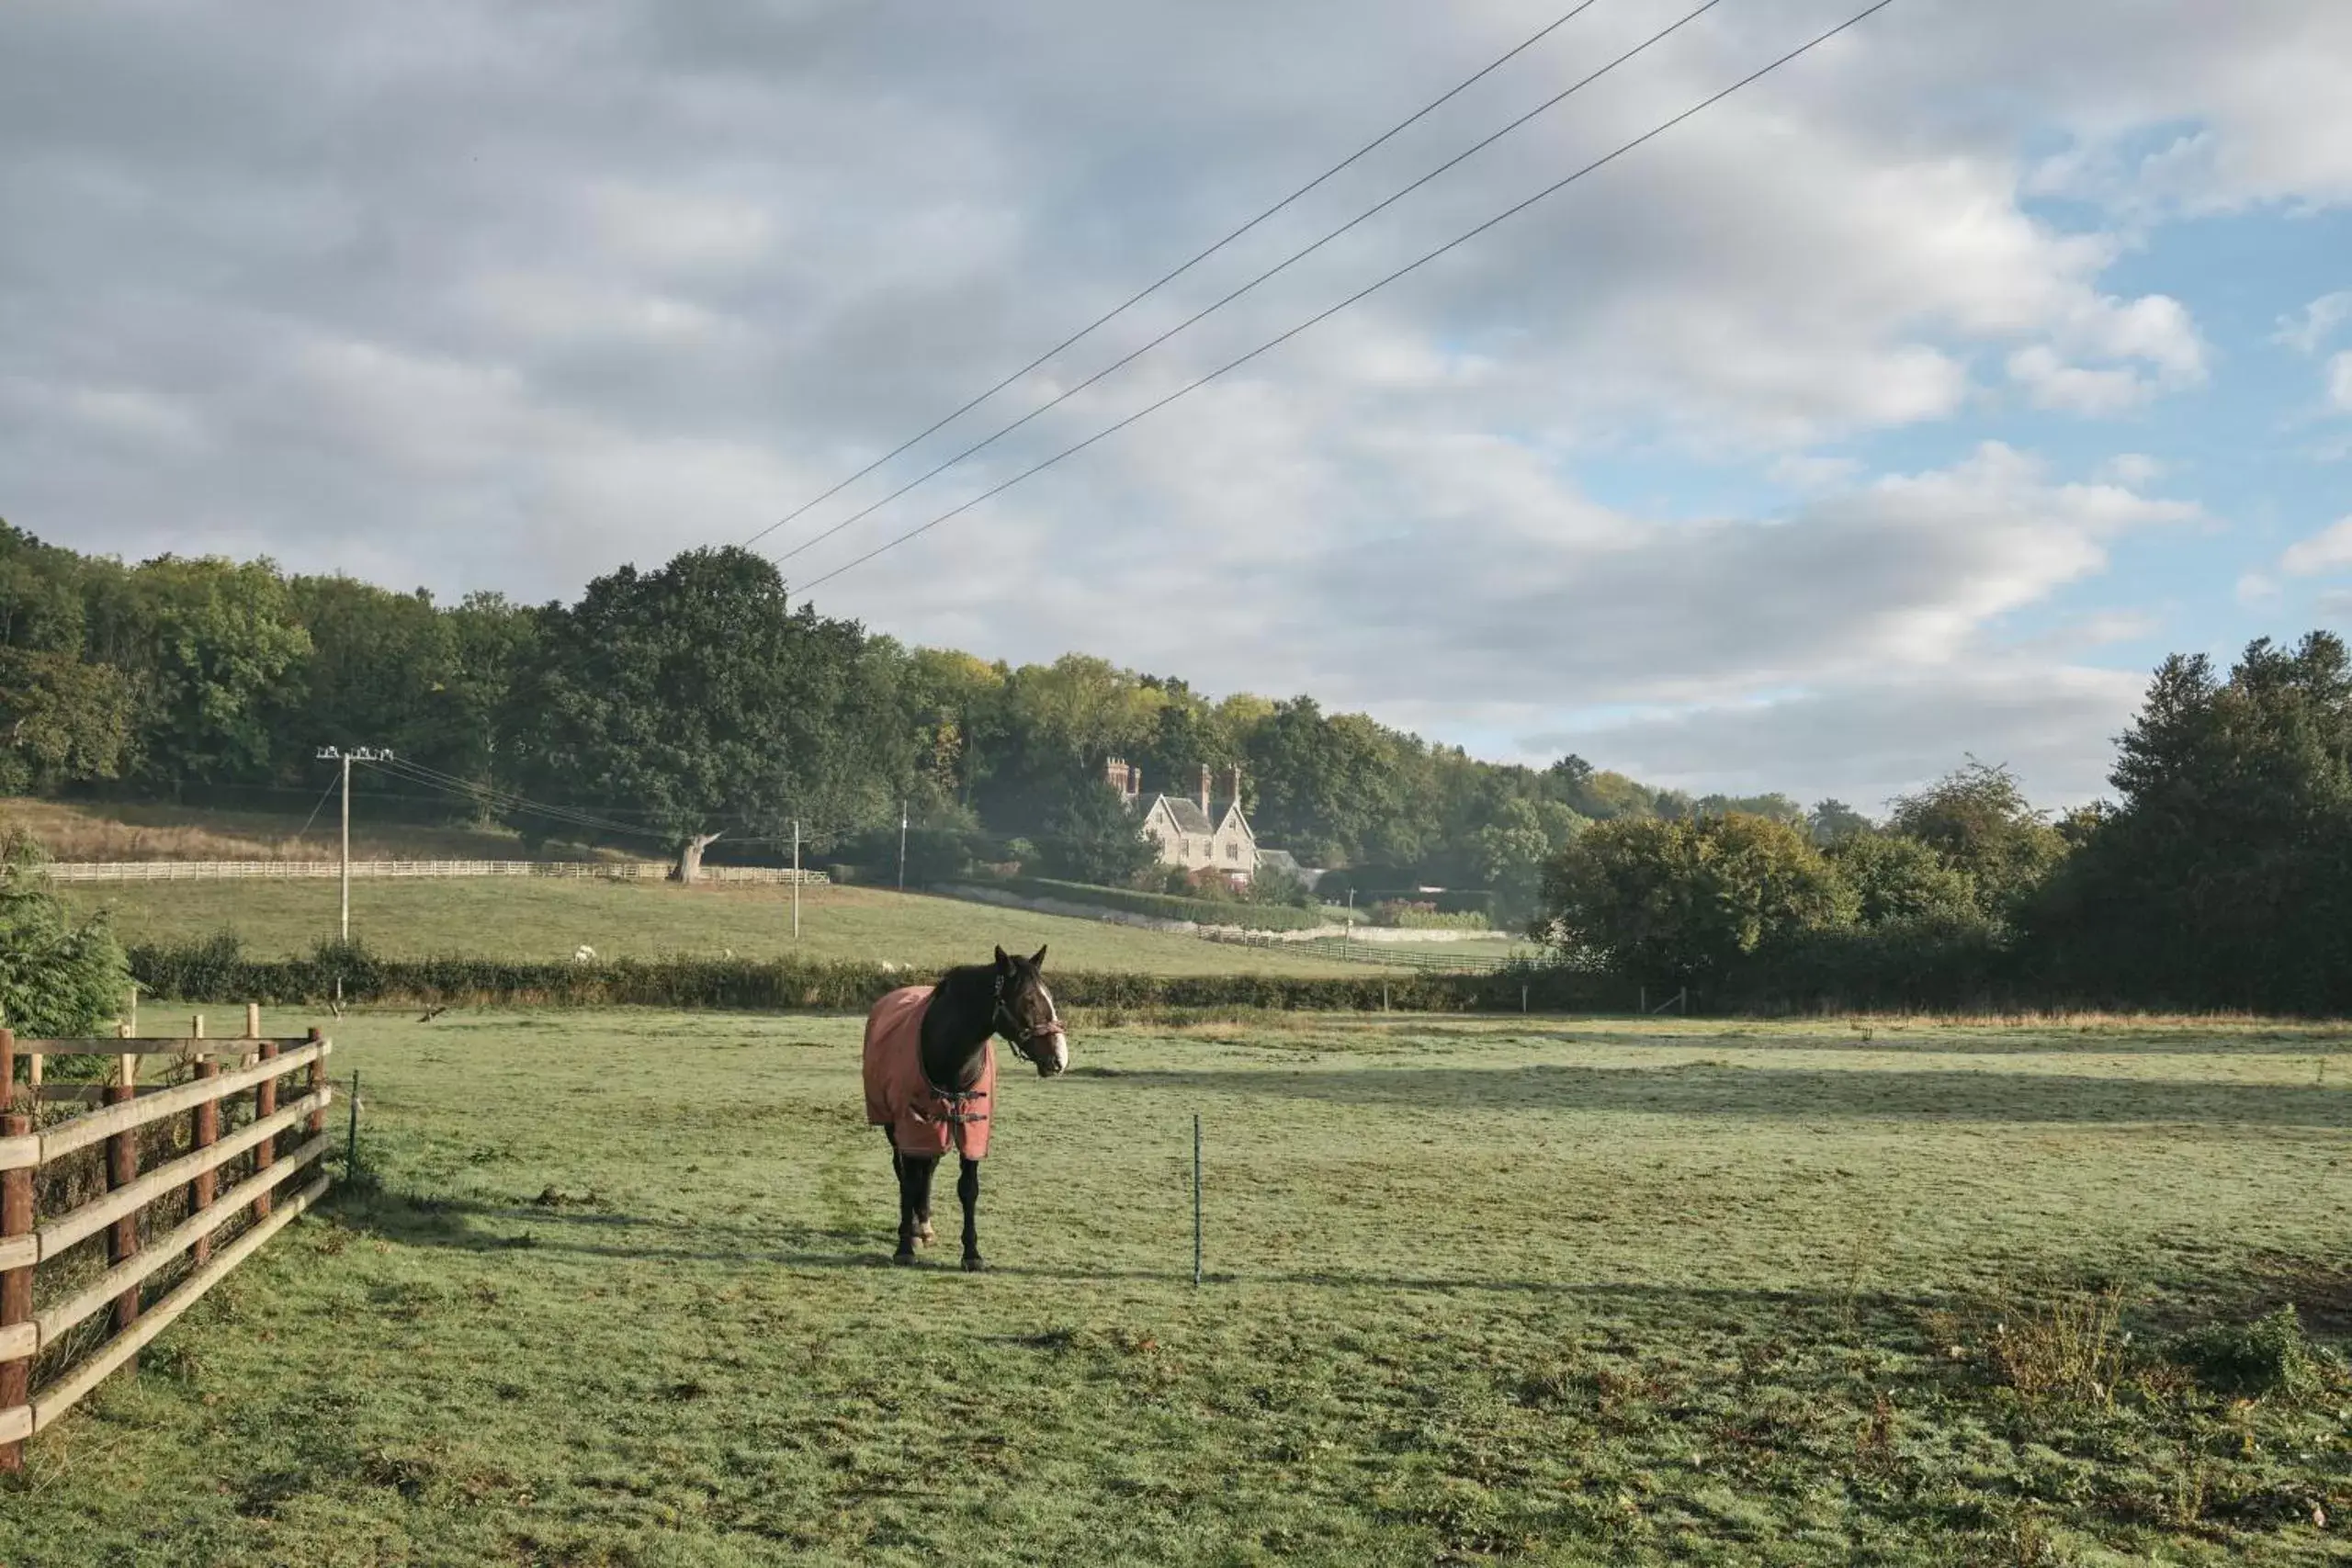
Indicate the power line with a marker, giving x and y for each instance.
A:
(503, 799)
(1133, 299)
(485, 795)
(1298, 255)
(1325, 314)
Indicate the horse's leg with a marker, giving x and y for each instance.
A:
(923, 1201)
(914, 1189)
(968, 1187)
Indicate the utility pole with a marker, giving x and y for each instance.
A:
(356, 754)
(902, 846)
(796, 879)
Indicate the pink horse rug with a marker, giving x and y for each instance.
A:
(922, 1122)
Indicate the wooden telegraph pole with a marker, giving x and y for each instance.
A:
(357, 754)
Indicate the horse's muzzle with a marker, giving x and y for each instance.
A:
(1052, 1056)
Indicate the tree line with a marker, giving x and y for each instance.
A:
(694, 704)
(2219, 875)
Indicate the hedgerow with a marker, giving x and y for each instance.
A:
(218, 971)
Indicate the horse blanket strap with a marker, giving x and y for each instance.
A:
(924, 1120)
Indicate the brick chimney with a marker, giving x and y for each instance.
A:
(1204, 789)
(1114, 773)
(1236, 786)
(1135, 782)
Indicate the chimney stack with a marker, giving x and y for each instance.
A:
(1204, 789)
(1114, 773)
(1236, 786)
(1135, 782)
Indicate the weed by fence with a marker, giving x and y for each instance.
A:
(215, 971)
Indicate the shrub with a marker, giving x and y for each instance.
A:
(57, 979)
(2269, 1355)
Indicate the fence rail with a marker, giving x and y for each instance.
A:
(261, 1157)
(306, 869)
(1384, 955)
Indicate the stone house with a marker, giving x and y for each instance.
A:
(1190, 833)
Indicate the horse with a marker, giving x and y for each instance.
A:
(930, 1076)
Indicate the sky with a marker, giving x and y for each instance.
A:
(1906, 405)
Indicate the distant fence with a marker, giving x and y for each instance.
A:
(307, 870)
(1386, 955)
(55, 1197)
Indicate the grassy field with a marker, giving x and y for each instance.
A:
(123, 830)
(1557, 1293)
(543, 918)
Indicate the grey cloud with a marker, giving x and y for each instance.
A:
(470, 293)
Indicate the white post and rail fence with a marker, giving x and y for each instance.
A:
(162, 1230)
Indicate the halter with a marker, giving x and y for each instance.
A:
(1024, 1035)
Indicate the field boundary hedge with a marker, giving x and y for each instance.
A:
(216, 973)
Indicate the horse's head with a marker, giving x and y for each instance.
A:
(1025, 1015)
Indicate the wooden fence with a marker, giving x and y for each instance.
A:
(308, 870)
(147, 1221)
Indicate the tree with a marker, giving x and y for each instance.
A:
(1833, 822)
(58, 979)
(1093, 838)
(1895, 878)
(2223, 876)
(62, 721)
(1512, 851)
(218, 643)
(695, 701)
(1684, 901)
(1978, 819)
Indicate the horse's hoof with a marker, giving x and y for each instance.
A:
(904, 1256)
(975, 1264)
(925, 1235)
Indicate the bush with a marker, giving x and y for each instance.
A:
(1168, 905)
(58, 980)
(204, 972)
(2269, 1355)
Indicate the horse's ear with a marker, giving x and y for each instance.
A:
(1038, 962)
(1001, 961)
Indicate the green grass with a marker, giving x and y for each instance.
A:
(533, 917)
(1573, 1294)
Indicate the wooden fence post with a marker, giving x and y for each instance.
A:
(122, 1169)
(16, 1220)
(208, 1133)
(265, 1152)
(316, 1126)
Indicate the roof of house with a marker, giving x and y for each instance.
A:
(1187, 814)
(1278, 860)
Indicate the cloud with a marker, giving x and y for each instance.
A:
(2307, 333)
(1868, 740)
(477, 295)
(2328, 551)
(2339, 381)
(2257, 588)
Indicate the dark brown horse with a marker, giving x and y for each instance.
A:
(931, 1077)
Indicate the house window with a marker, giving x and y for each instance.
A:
(1233, 852)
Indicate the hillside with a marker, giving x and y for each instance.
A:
(122, 831)
(519, 918)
